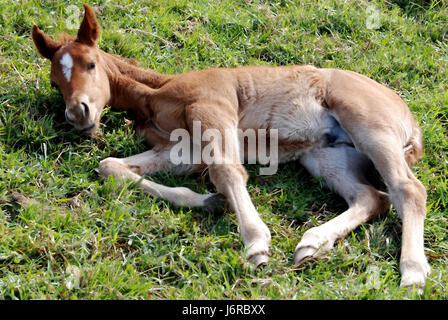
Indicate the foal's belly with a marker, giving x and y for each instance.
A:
(300, 123)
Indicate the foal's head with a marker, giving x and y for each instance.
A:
(79, 72)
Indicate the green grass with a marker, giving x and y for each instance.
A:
(67, 234)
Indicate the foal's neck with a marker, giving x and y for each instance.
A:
(130, 95)
(131, 88)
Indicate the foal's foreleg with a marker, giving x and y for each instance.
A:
(230, 180)
(342, 168)
(228, 174)
(150, 162)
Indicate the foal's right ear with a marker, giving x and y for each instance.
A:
(44, 44)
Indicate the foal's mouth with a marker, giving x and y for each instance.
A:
(88, 129)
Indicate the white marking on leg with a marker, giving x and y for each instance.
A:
(67, 65)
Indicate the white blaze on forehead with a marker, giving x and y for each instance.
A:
(67, 65)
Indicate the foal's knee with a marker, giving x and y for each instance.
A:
(109, 166)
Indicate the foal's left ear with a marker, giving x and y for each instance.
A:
(89, 31)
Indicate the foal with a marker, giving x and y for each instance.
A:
(335, 122)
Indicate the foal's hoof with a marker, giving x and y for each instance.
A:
(259, 260)
(304, 253)
(314, 243)
(414, 274)
(215, 203)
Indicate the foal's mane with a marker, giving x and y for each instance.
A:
(66, 38)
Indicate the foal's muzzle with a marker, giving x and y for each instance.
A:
(78, 115)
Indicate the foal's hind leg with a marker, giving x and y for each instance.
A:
(343, 169)
(408, 195)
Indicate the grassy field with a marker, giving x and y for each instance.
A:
(67, 234)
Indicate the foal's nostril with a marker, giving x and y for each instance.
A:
(86, 109)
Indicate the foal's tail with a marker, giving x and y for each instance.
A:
(413, 149)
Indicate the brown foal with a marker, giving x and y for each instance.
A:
(335, 122)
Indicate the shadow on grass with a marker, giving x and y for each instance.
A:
(417, 7)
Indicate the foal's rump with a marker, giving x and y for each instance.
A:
(372, 114)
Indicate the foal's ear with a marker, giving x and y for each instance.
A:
(44, 44)
(89, 31)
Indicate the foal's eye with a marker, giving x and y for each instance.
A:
(90, 66)
(54, 85)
